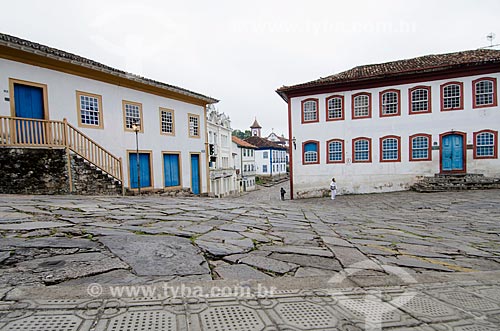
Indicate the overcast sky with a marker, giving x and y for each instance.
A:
(240, 52)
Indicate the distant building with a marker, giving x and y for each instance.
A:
(381, 127)
(221, 161)
(280, 140)
(255, 128)
(270, 158)
(244, 161)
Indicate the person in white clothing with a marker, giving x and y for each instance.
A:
(333, 188)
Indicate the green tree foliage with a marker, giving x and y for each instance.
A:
(242, 134)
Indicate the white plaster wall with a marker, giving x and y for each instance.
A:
(383, 177)
(223, 186)
(237, 153)
(260, 161)
(62, 89)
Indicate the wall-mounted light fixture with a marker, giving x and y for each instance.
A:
(294, 141)
(136, 126)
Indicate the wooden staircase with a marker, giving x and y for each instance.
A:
(455, 182)
(32, 133)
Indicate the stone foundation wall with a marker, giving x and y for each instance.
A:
(33, 171)
(45, 171)
(88, 180)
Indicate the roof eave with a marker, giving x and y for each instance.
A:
(29, 55)
(290, 91)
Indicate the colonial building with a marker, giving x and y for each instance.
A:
(244, 161)
(255, 128)
(97, 112)
(221, 163)
(280, 140)
(381, 127)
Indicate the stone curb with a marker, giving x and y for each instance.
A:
(256, 287)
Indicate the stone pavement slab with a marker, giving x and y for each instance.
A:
(419, 233)
(158, 255)
(240, 272)
(32, 225)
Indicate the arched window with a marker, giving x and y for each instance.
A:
(335, 108)
(310, 110)
(420, 147)
(390, 149)
(389, 103)
(420, 100)
(335, 151)
(361, 106)
(310, 152)
(486, 144)
(484, 92)
(362, 150)
(452, 96)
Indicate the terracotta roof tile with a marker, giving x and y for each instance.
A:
(261, 143)
(35, 48)
(422, 64)
(242, 143)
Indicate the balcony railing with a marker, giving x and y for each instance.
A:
(27, 132)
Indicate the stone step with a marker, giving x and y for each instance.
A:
(456, 182)
(93, 180)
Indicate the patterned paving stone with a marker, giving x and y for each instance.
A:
(467, 301)
(302, 315)
(426, 308)
(47, 321)
(151, 318)
(229, 316)
(373, 312)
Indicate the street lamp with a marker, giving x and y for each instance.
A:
(136, 126)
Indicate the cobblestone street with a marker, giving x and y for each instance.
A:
(48, 239)
(400, 261)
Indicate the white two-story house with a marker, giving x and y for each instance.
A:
(244, 161)
(381, 127)
(98, 112)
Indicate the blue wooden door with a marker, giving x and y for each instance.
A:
(28, 102)
(195, 173)
(145, 171)
(452, 153)
(171, 170)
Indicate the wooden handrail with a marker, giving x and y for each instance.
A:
(28, 132)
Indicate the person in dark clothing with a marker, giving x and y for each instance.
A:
(282, 191)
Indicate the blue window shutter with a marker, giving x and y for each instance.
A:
(311, 147)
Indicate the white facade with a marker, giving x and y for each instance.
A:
(244, 160)
(280, 141)
(62, 87)
(377, 175)
(270, 162)
(223, 180)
